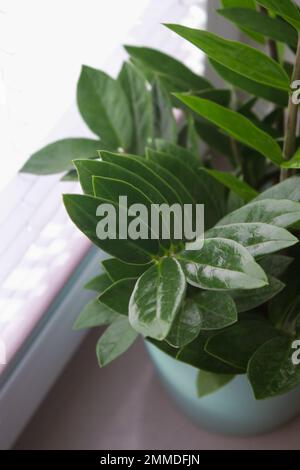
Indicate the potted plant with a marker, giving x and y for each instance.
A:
(221, 322)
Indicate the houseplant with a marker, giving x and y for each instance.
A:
(232, 308)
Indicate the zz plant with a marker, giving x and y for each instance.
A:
(232, 307)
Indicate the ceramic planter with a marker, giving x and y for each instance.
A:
(233, 409)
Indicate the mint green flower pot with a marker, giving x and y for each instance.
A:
(231, 410)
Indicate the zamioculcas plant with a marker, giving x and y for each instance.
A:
(233, 306)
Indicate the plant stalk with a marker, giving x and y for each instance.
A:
(289, 147)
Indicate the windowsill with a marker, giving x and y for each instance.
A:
(121, 407)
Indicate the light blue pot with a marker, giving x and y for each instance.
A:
(231, 410)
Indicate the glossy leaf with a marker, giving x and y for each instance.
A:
(177, 151)
(139, 97)
(166, 66)
(282, 214)
(237, 126)
(118, 337)
(163, 181)
(251, 299)
(209, 383)
(241, 188)
(222, 264)
(112, 189)
(104, 107)
(204, 311)
(259, 239)
(88, 169)
(271, 371)
(82, 211)
(99, 283)
(94, 314)
(117, 296)
(286, 9)
(236, 56)
(157, 298)
(57, 157)
(264, 91)
(202, 188)
(195, 355)
(237, 344)
(179, 168)
(263, 24)
(118, 270)
(288, 189)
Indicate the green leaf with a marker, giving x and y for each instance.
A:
(117, 296)
(104, 107)
(201, 186)
(179, 168)
(294, 163)
(237, 344)
(135, 87)
(204, 311)
(57, 157)
(282, 214)
(242, 189)
(94, 314)
(118, 270)
(186, 326)
(284, 310)
(222, 264)
(118, 337)
(259, 239)
(82, 211)
(236, 56)
(288, 189)
(271, 371)
(208, 383)
(250, 4)
(99, 283)
(286, 9)
(237, 126)
(165, 126)
(191, 138)
(214, 138)
(254, 88)
(70, 176)
(162, 180)
(157, 298)
(250, 299)
(111, 190)
(263, 24)
(87, 169)
(167, 67)
(275, 265)
(222, 97)
(195, 355)
(179, 152)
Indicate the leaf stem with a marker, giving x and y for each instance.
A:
(289, 147)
